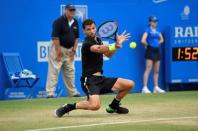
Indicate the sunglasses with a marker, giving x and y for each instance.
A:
(72, 10)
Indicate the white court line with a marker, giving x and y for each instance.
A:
(113, 123)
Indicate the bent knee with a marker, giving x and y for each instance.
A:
(131, 84)
(94, 107)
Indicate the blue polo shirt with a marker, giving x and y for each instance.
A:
(153, 37)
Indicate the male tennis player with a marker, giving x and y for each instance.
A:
(92, 80)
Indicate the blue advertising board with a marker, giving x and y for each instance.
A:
(182, 54)
(26, 27)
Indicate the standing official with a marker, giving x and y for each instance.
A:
(65, 34)
(152, 39)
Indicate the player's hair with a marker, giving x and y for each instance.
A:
(87, 22)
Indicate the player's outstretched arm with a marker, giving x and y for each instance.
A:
(120, 39)
(109, 50)
(102, 49)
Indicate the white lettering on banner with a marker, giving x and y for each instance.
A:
(188, 31)
(159, 1)
(43, 48)
(192, 80)
(187, 40)
(41, 94)
(78, 52)
(16, 95)
(176, 81)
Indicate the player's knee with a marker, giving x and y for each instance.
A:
(131, 84)
(94, 107)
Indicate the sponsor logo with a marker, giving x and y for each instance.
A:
(16, 95)
(193, 80)
(184, 35)
(43, 48)
(176, 81)
(159, 1)
(188, 31)
(41, 94)
(185, 12)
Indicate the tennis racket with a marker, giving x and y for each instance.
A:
(108, 30)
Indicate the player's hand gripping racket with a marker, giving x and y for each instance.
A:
(109, 30)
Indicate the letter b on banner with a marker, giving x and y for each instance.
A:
(43, 50)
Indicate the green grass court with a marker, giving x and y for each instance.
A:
(173, 111)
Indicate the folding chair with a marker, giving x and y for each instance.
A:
(13, 64)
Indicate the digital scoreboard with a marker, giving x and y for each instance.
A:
(185, 54)
(181, 54)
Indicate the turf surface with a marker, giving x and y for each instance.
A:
(173, 111)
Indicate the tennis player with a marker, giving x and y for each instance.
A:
(92, 81)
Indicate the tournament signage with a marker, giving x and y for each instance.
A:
(182, 54)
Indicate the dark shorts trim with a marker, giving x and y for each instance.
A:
(152, 53)
(95, 85)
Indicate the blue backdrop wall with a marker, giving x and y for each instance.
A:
(25, 27)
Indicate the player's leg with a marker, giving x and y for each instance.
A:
(155, 77)
(149, 65)
(123, 86)
(93, 103)
(53, 70)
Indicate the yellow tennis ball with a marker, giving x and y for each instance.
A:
(132, 45)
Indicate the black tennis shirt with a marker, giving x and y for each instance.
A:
(64, 32)
(91, 62)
